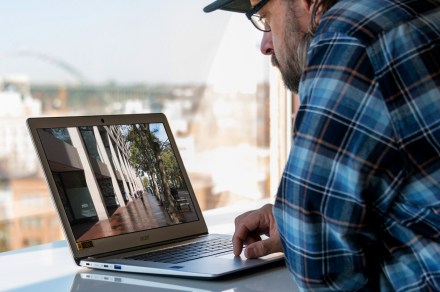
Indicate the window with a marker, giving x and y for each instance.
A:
(204, 71)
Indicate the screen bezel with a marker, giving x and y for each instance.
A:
(125, 241)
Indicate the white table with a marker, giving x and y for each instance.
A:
(50, 267)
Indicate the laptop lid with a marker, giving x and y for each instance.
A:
(117, 181)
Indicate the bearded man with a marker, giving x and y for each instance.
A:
(358, 207)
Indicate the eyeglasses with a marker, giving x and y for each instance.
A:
(258, 21)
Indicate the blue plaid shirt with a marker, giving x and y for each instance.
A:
(358, 207)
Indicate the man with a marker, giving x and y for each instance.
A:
(358, 207)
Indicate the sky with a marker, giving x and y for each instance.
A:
(135, 41)
(159, 132)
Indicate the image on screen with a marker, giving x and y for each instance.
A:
(117, 179)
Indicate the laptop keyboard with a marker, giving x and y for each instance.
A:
(187, 252)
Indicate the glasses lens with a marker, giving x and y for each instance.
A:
(260, 22)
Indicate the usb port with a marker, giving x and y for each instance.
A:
(118, 267)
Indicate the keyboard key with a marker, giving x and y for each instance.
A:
(187, 252)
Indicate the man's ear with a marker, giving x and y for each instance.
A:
(303, 10)
(308, 5)
(316, 10)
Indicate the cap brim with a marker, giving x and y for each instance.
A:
(241, 6)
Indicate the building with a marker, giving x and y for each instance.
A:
(91, 169)
(33, 219)
(17, 154)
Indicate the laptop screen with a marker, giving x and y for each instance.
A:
(117, 179)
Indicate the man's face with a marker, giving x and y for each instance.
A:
(288, 40)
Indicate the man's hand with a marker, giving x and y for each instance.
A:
(248, 230)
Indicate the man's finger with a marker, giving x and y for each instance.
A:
(239, 238)
(242, 231)
(263, 248)
(249, 226)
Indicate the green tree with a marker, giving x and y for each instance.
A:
(146, 156)
(172, 168)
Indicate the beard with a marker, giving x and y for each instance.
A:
(296, 46)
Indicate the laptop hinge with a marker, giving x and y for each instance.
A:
(127, 250)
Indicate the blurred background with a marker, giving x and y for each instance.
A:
(204, 71)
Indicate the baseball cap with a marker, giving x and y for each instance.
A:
(241, 6)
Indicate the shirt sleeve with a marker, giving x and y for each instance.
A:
(344, 160)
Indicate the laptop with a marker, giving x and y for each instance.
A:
(125, 200)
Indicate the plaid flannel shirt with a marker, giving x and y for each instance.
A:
(358, 207)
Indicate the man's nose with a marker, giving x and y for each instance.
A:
(266, 46)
